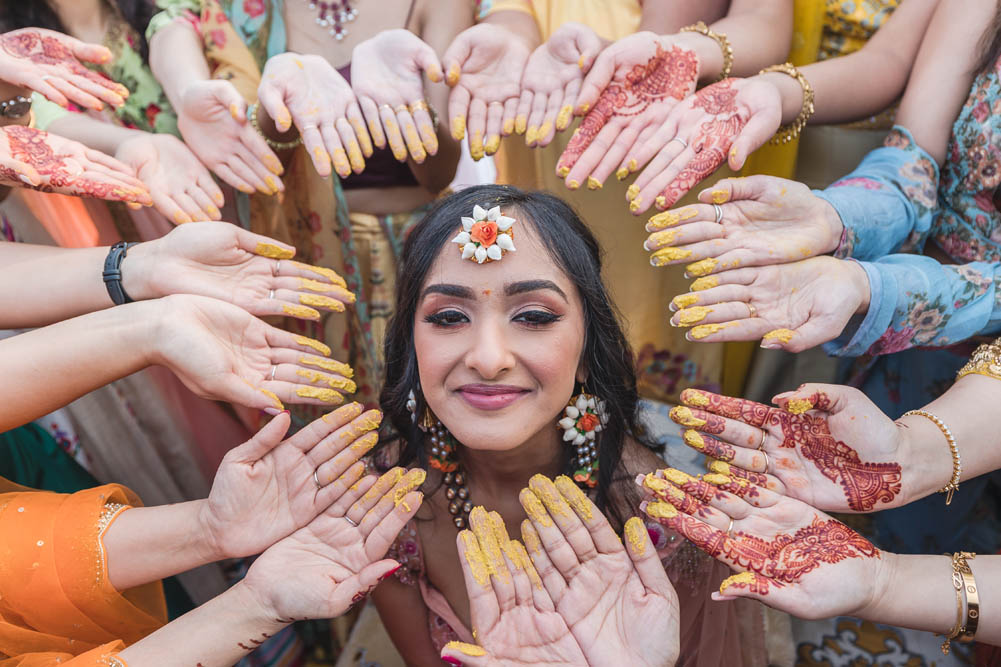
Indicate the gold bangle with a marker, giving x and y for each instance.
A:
(985, 360)
(724, 45)
(277, 145)
(793, 129)
(957, 464)
(957, 584)
(970, 592)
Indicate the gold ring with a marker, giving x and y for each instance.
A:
(316, 480)
(419, 105)
(765, 454)
(762, 444)
(751, 310)
(729, 529)
(401, 108)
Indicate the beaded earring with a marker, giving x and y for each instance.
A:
(583, 418)
(441, 456)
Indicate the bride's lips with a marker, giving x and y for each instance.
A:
(491, 396)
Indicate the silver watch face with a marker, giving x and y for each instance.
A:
(16, 108)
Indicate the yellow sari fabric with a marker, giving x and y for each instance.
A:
(56, 603)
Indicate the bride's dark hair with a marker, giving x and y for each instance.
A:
(607, 356)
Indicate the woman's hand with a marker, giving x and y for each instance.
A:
(386, 78)
(826, 445)
(763, 220)
(514, 619)
(732, 118)
(633, 85)
(792, 306)
(307, 91)
(551, 82)
(212, 118)
(790, 556)
(226, 262)
(322, 569)
(181, 187)
(265, 489)
(485, 65)
(50, 62)
(220, 351)
(617, 601)
(50, 163)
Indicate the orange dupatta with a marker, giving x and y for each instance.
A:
(56, 603)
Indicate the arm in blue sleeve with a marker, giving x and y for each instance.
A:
(915, 301)
(887, 204)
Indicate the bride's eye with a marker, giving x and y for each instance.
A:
(537, 318)
(446, 318)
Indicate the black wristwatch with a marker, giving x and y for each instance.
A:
(112, 273)
(15, 108)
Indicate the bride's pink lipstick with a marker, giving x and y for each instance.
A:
(491, 396)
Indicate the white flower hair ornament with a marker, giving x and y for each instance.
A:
(486, 236)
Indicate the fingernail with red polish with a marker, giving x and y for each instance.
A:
(390, 573)
(452, 661)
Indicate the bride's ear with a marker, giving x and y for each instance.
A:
(581, 375)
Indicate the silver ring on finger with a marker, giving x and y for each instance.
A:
(729, 529)
(719, 213)
(348, 519)
(278, 266)
(761, 445)
(273, 369)
(765, 454)
(271, 294)
(317, 480)
(684, 144)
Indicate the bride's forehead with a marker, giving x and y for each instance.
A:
(530, 261)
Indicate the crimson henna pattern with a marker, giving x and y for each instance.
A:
(667, 74)
(864, 484)
(712, 142)
(784, 559)
(45, 50)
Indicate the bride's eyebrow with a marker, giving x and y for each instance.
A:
(523, 286)
(448, 289)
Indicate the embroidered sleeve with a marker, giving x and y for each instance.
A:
(915, 301)
(888, 203)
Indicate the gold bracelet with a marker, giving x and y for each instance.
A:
(957, 464)
(985, 360)
(792, 130)
(957, 583)
(277, 145)
(724, 45)
(960, 564)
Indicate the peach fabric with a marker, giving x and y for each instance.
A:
(56, 603)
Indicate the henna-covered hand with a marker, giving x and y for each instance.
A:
(386, 78)
(726, 120)
(62, 165)
(632, 86)
(181, 187)
(485, 65)
(790, 306)
(764, 220)
(264, 489)
(617, 600)
(826, 445)
(513, 617)
(212, 118)
(225, 262)
(787, 554)
(307, 91)
(322, 569)
(551, 82)
(50, 62)
(221, 352)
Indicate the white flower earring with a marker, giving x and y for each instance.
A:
(584, 417)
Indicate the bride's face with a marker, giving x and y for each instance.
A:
(499, 344)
